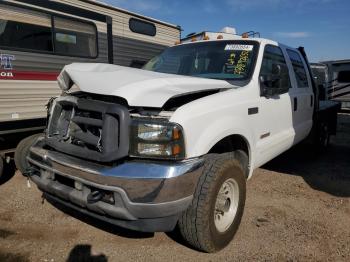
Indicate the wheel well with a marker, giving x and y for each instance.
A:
(232, 143)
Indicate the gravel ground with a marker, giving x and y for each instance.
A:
(297, 209)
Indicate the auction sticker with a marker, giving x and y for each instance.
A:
(232, 47)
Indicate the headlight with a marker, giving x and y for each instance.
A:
(156, 139)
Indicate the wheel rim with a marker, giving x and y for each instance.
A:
(226, 205)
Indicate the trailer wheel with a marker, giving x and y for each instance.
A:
(22, 151)
(212, 220)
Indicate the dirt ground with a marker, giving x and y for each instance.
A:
(297, 209)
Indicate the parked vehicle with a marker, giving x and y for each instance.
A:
(174, 144)
(37, 38)
(335, 77)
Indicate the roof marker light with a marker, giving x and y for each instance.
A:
(220, 37)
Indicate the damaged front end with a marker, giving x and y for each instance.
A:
(87, 161)
(90, 129)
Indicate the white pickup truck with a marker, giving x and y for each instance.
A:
(174, 144)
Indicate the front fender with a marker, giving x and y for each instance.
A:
(216, 131)
(200, 138)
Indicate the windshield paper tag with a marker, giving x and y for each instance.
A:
(238, 47)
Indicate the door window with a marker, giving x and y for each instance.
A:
(274, 68)
(299, 69)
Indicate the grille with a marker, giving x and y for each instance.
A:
(89, 129)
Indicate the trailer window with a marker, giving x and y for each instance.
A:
(344, 77)
(142, 27)
(299, 69)
(25, 29)
(74, 38)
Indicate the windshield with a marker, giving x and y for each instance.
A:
(228, 60)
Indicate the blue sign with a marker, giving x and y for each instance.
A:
(6, 61)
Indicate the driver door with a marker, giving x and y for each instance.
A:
(275, 128)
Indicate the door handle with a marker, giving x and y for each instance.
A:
(295, 104)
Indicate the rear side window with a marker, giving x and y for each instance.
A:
(28, 30)
(142, 27)
(299, 69)
(273, 56)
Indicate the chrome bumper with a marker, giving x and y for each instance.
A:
(147, 196)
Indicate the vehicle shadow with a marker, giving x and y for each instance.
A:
(13, 257)
(82, 253)
(327, 171)
(105, 226)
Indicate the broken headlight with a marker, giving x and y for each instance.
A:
(156, 139)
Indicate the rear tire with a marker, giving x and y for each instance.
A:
(322, 139)
(325, 136)
(22, 150)
(212, 220)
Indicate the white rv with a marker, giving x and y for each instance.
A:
(334, 76)
(38, 38)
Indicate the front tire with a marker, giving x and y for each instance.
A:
(212, 220)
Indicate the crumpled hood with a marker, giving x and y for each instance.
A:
(138, 87)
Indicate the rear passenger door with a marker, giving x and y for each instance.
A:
(302, 95)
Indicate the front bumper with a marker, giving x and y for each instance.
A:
(144, 196)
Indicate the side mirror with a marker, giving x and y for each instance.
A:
(277, 69)
(268, 85)
(273, 84)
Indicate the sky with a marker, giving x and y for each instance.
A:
(321, 26)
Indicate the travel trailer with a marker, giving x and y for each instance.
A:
(38, 38)
(334, 76)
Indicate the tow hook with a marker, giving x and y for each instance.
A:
(29, 173)
(95, 196)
